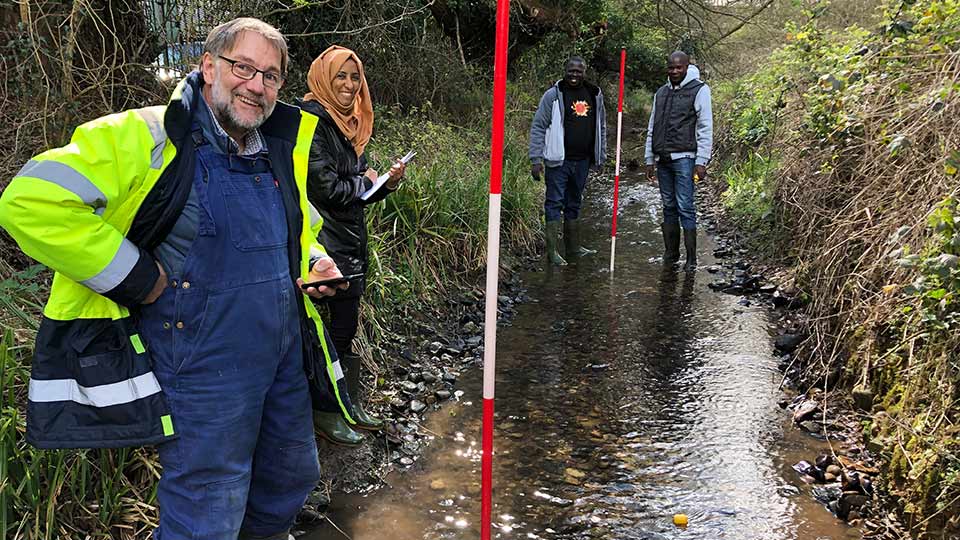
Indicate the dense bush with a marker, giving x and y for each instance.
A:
(861, 131)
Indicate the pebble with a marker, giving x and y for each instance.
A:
(788, 491)
(438, 485)
(417, 406)
(789, 342)
(806, 411)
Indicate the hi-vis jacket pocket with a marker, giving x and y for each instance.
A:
(92, 386)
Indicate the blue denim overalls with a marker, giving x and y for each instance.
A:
(225, 340)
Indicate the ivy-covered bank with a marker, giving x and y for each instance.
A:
(841, 157)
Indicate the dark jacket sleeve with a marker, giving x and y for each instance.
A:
(325, 186)
(139, 282)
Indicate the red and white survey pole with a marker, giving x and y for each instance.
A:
(616, 177)
(493, 264)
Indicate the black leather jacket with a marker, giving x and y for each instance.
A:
(335, 182)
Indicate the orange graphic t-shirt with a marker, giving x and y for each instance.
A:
(580, 108)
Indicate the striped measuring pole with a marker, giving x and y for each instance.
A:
(493, 263)
(616, 177)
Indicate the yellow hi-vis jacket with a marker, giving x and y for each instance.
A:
(93, 211)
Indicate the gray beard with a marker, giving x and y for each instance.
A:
(229, 120)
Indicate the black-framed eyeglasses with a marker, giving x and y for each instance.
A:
(271, 79)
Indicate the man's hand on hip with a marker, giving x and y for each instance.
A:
(536, 171)
(158, 287)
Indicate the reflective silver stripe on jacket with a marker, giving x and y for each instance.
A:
(118, 269)
(337, 370)
(105, 395)
(314, 214)
(68, 178)
(154, 120)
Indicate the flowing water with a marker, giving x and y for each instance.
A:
(620, 401)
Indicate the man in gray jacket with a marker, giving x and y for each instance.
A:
(679, 143)
(568, 135)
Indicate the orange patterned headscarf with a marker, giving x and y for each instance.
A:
(355, 121)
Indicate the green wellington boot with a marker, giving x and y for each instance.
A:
(351, 365)
(332, 427)
(571, 237)
(553, 238)
(671, 243)
(690, 243)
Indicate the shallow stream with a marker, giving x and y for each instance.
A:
(621, 401)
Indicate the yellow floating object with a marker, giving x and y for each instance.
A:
(680, 520)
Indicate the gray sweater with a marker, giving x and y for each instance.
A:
(546, 130)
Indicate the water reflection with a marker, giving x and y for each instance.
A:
(621, 400)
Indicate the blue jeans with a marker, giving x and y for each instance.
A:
(565, 189)
(677, 190)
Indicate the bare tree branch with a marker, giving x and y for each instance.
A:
(741, 25)
(406, 14)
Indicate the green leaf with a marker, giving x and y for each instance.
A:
(936, 294)
(952, 163)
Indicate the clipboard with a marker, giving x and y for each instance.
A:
(382, 179)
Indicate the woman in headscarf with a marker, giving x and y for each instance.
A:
(337, 176)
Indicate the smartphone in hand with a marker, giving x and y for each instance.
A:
(332, 281)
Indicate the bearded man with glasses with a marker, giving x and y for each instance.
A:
(181, 236)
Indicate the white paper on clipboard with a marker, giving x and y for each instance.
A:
(382, 179)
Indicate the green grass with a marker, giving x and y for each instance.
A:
(430, 235)
(750, 189)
